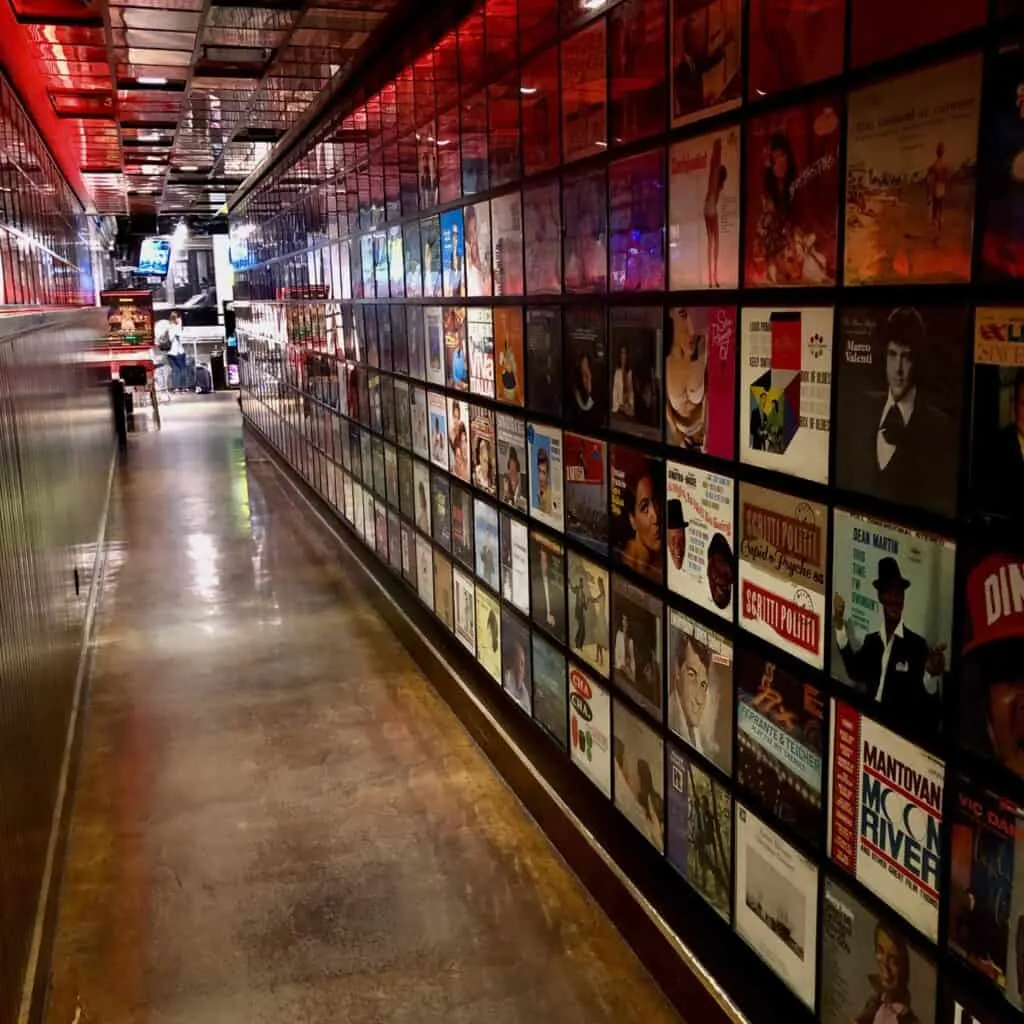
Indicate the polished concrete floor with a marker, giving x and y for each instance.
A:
(276, 817)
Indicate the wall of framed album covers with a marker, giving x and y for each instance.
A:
(677, 369)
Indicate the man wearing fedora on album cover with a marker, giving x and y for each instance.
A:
(894, 665)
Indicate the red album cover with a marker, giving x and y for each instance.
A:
(908, 24)
(792, 195)
(449, 164)
(637, 47)
(584, 88)
(542, 123)
(508, 354)
(707, 50)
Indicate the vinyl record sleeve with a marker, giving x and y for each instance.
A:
(456, 356)
(635, 336)
(706, 58)
(507, 236)
(440, 509)
(458, 438)
(480, 332)
(546, 483)
(479, 277)
(550, 691)
(586, 491)
(584, 92)
(453, 254)
(638, 755)
(513, 480)
(483, 453)
(636, 187)
(462, 526)
(515, 660)
(434, 327)
(430, 242)
(637, 511)
(636, 44)
(420, 423)
(908, 25)
(547, 585)
(515, 562)
(508, 355)
(585, 370)
(421, 486)
(543, 239)
(465, 609)
(638, 643)
(485, 531)
(544, 360)
(585, 217)
(589, 596)
(488, 633)
(590, 727)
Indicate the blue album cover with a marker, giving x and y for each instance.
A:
(453, 253)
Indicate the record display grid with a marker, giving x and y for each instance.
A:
(675, 363)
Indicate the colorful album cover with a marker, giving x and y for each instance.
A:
(478, 249)
(908, 25)
(367, 266)
(546, 497)
(515, 660)
(427, 161)
(512, 471)
(444, 597)
(637, 511)
(997, 435)
(507, 237)
(700, 374)
(635, 334)
(420, 427)
(485, 530)
(783, 550)
(699, 537)
(638, 755)
(793, 44)
(869, 966)
(396, 262)
(380, 486)
(588, 612)
(1001, 197)
(406, 486)
(482, 450)
(637, 644)
(786, 384)
(542, 229)
(541, 116)
(699, 840)
(700, 690)
(508, 349)
(899, 403)
(792, 195)
(408, 546)
(465, 609)
(706, 58)
(547, 584)
(892, 616)
(395, 541)
(590, 728)
(584, 92)
(991, 668)
(584, 206)
(403, 414)
(636, 105)
(488, 633)
(586, 491)
(704, 211)
(585, 368)
(453, 254)
(458, 438)
(781, 724)
(544, 359)
(462, 526)
(550, 695)
(417, 337)
(421, 485)
(480, 332)
(636, 188)
(910, 176)
(434, 326)
(430, 241)
(440, 509)
(425, 571)
(515, 562)
(381, 271)
(885, 815)
(455, 354)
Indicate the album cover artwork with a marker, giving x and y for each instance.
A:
(465, 609)
(455, 356)
(515, 660)
(444, 597)
(584, 91)
(544, 360)
(550, 695)
(547, 584)
(783, 550)
(585, 369)
(781, 724)
(638, 755)
(636, 392)
(588, 612)
(885, 815)
(507, 235)
(892, 615)
(899, 403)
(786, 384)
(869, 965)
(449, 157)
(704, 211)
(488, 633)
(636, 187)
(699, 840)
(584, 202)
(482, 451)
(586, 491)
(399, 339)
(366, 455)
(408, 546)
(541, 114)
(480, 330)
(425, 571)
(440, 509)
(504, 136)
(636, 106)
(381, 271)
(458, 438)
(543, 237)
(380, 519)
(908, 25)
(792, 195)
(546, 498)
(637, 511)
(699, 537)
(474, 138)
(508, 348)
(700, 690)
(515, 562)
(453, 254)
(512, 474)
(348, 500)
(794, 44)
(478, 250)
(485, 528)
(434, 326)
(427, 162)
(910, 176)
(406, 486)
(421, 484)
(637, 644)
(420, 420)
(706, 58)
(391, 474)
(777, 903)
(369, 521)
(373, 388)
(430, 241)
(367, 266)
(462, 526)
(417, 336)
(395, 541)
(380, 486)
(590, 728)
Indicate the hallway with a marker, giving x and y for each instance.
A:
(276, 817)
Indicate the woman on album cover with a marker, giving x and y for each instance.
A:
(483, 475)
(686, 384)
(642, 551)
(475, 278)
(717, 175)
(622, 386)
(509, 371)
(583, 387)
(457, 441)
(634, 785)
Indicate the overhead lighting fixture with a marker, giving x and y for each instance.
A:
(528, 90)
(190, 167)
(148, 80)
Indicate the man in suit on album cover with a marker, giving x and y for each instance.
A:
(894, 665)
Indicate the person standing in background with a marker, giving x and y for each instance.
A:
(176, 353)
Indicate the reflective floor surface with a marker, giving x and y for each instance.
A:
(276, 818)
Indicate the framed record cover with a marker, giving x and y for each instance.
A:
(453, 254)
(636, 41)
(395, 544)
(480, 333)
(455, 355)
(590, 729)
(420, 423)
(547, 584)
(550, 691)
(636, 187)
(638, 767)
(421, 485)
(515, 660)
(425, 571)
(584, 93)
(434, 326)
(585, 367)
(541, 116)
(417, 335)
(507, 240)
(488, 633)
(706, 58)
(458, 438)
(479, 281)
(588, 612)
(586, 491)
(408, 544)
(635, 334)
(585, 220)
(638, 643)
(485, 532)
(444, 595)
(547, 503)
(912, 24)
(544, 360)
(542, 230)
(515, 562)
(508, 349)
(440, 509)
(396, 261)
(462, 526)
(430, 240)
(513, 487)
(465, 609)
(637, 510)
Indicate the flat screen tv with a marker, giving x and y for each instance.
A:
(154, 257)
